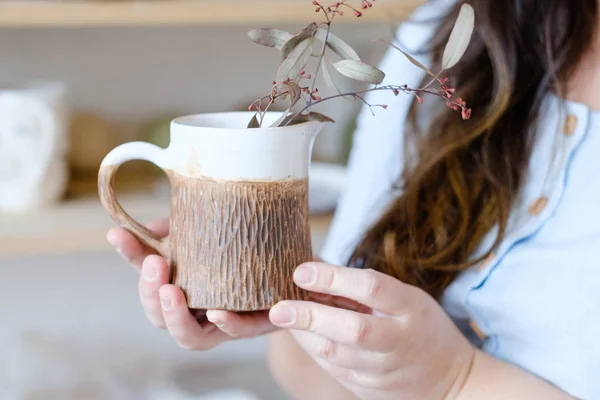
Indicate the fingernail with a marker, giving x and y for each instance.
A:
(110, 237)
(165, 302)
(283, 315)
(305, 274)
(150, 273)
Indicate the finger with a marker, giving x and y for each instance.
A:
(130, 248)
(154, 274)
(245, 325)
(356, 380)
(182, 325)
(373, 289)
(342, 326)
(342, 302)
(343, 356)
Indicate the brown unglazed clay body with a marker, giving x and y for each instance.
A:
(235, 244)
(239, 211)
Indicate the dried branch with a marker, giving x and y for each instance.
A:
(297, 49)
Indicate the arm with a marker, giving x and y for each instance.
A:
(491, 379)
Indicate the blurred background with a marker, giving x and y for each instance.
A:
(77, 78)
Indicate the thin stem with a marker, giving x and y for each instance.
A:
(334, 13)
(321, 57)
(382, 88)
(343, 3)
(366, 103)
(263, 112)
(435, 78)
(329, 22)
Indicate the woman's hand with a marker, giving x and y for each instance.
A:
(165, 304)
(400, 344)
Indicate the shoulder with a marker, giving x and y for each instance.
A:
(535, 301)
(376, 157)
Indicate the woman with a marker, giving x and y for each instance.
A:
(485, 234)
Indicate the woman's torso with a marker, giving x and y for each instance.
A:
(536, 301)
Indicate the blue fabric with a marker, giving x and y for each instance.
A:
(537, 300)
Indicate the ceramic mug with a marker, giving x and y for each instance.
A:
(239, 207)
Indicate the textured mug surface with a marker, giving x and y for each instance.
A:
(239, 207)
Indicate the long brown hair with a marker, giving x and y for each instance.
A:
(467, 174)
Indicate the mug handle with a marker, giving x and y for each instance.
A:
(106, 188)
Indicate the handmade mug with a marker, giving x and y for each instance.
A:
(239, 207)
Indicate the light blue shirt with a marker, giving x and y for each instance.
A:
(536, 302)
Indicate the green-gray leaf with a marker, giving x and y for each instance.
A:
(290, 45)
(281, 119)
(269, 37)
(295, 119)
(359, 71)
(410, 58)
(339, 46)
(315, 116)
(295, 61)
(253, 122)
(327, 76)
(295, 92)
(459, 37)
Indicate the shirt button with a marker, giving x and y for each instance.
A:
(476, 330)
(538, 206)
(570, 125)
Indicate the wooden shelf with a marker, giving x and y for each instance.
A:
(80, 225)
(56, 13)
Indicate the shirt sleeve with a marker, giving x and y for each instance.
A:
(376, 157)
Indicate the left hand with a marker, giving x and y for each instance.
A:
(397, 343)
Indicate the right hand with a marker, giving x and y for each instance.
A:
(165, 305)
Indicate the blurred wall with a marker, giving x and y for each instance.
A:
(132, 74)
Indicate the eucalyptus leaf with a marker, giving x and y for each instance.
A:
(359, 71)
(269, 37)
(337, 44)
(254, 122)
(294, 41)
(410, 58)
(327, 77)
(295, 61)
(459, 37)
(295, 119)
(295, 92)
(281, 119)
(315, 116)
